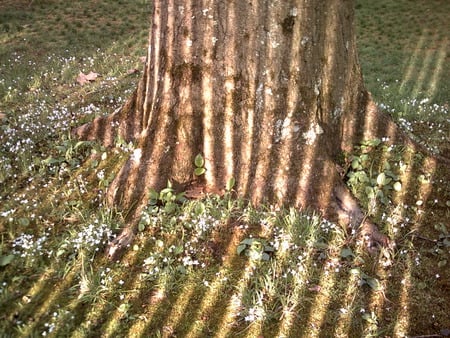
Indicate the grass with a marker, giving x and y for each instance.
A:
(215, 267)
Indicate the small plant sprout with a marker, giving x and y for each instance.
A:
(256, 249)
(199, 162)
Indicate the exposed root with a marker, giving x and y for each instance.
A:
(350, 213)
(117, 247)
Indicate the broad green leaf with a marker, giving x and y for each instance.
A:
(141, 227)
(199, 161)
(178, 250)
(248, 241)
(397, 186)
(241, 248)
(230, 184)
(268, 248)
(355, 271)
(5, 260)
(23, 221)
(170, 208)
(346, 252)
(321, 245)
(265, 256)
(181, 269)
(369, 192)
(199, 171)
(369, 318)
(373, 283)
(381, 178)
(153, 194)
(200, 208)
(166, 191)
(79, 144)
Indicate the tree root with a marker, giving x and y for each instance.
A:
(349, 213)
(117, 247)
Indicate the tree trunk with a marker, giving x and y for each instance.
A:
(269, 92)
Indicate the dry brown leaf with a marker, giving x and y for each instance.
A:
(132, 71)
(84, 78)
(2, 116)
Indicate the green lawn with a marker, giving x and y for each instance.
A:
(216, 267)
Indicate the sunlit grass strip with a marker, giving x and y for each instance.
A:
(43, 309)
(412, 66)
(297, 290)
(348, 308)
(403, 320)
(216, 287)
(320, 306)
(235, 304)
(438, 64)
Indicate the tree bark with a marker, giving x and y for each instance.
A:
(269, 92)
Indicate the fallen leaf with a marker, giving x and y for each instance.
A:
(2, 116)
(315, 288)
(132, 71)
(84, 78)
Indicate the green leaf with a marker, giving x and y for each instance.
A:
(369, 318)
(373, 283)
(199, 171)
(199, 161)
(178, 250)
(265, 256)
(241, 248)
(200, 208)
(321, 245)
(79, 144)
(141, 227)
(153, 195)
(268, 248)
(230, 184)
(181, 269)
(166, 191)
(442, 263)
(355, 271)
(5, 260)
(347, 252)
(355, 164)
(381, 179)
(373, 143)
(397, 186)
(170, 208)
(248, 241)
(23, 221)
(369, 192)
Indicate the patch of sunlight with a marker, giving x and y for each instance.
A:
(235, 303)
(319, 307)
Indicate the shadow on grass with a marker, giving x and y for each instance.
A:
(328, 295)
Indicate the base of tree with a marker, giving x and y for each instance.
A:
(341, 206)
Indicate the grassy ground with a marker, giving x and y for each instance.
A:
(215, 267)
